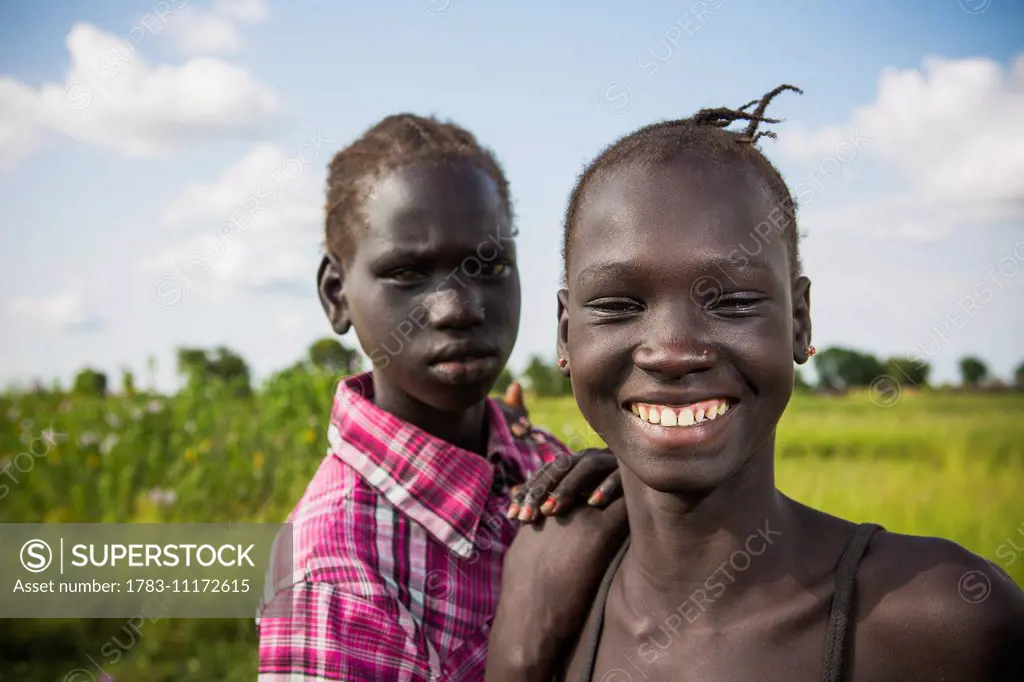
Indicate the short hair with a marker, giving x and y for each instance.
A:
(395, 142)
(705, 135)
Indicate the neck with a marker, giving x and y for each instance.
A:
(467, 429)
(688, 551)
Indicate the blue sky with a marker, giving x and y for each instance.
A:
(129, 132)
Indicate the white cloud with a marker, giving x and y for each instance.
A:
(256, 227)
(243, 10)
(952, 132)
(19, 128)
(267, 190)
(198, 32)
(217, 268)
(215, 30)
(113, 98)
(65, 311)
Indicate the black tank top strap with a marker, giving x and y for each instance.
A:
(592, 642)
(836, 640)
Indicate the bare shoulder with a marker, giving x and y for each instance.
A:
(934, 610)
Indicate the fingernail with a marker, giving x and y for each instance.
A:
(526, 514)
(596, 498)
(513, 511)
(549, 505)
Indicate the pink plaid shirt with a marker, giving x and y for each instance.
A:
(398, 544)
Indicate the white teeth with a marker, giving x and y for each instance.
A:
(669, 416)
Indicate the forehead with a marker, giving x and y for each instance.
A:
(453, 204)
(678, 217)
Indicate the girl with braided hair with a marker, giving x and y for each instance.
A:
(681, 349)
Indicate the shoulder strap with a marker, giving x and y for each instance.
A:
(842, 600)
(592, 642)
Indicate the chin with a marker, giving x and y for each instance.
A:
(461, 401)
(690, 477)
(454, 397)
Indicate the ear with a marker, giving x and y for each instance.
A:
(563, 328)
(801, 319)
(330, 282)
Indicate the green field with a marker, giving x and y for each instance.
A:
(946, 464)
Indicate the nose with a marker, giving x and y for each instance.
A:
(675, 345)
(456, 308)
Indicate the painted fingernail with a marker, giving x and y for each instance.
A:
(596, 498)
(526, 514)
(513, 511)
(549, 505)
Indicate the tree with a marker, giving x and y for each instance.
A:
(906, 370)
(90, 382)
(192, 364)
(230, 367)
(220, 366)
(841, 368)
(505, 379)
(546, 380)
(972, 371)
(331, 355)
(1018, 375)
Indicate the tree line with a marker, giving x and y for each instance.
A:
(837, 369)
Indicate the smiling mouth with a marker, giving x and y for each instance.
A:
(682, 416)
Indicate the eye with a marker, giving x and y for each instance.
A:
(614, 307)
(737, 304)
(406, 275)
(495, 270)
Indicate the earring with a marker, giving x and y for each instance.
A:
(562, 363)
(811, 351)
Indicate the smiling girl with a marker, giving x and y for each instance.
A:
(681, 349)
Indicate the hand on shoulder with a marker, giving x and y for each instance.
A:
(550, 575)
(933, 610)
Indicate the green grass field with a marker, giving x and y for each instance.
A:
(933, 464)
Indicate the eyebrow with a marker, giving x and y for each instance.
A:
(742, 265)
(602, 271)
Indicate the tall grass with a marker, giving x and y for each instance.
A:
(931, 464)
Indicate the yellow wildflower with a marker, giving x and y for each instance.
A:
(309, 436)
(190, 455)
(257, 460)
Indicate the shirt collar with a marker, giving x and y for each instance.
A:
(439, 485)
